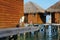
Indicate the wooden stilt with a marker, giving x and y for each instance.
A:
(18, 35)
(24, 36)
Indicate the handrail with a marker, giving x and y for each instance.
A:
(51, 24)
(13, 31)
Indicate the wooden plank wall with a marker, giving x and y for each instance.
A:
(10, 13)
(39, 19)
(36, 19)
(32, 18)
(57, 17)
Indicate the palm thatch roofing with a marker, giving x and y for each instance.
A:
(55, 7)
(31, 7)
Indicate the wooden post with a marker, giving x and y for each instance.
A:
(24, 36)
(18, 37)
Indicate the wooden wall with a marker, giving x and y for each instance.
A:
(34, 18)
(57, 17)
(10, 12)
(39, 19)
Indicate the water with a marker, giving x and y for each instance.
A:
(38, 36)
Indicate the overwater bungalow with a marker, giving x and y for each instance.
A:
(10, 13)
(54, 10)
(33, 13)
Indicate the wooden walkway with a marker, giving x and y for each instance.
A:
(52, 24)
(14, 31)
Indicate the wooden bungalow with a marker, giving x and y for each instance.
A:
(10, 13)
(54, 10)
(33, 13)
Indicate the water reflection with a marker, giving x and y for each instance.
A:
(41, 34)
(38, 36)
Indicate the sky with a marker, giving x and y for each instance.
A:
(43, 3)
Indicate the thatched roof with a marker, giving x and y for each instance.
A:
(32, 8)
(54, 8)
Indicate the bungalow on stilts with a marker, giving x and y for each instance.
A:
(54, 12)
(33, 13)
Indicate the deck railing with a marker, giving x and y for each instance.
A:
(14, 31)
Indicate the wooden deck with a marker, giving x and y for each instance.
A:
(14, 31)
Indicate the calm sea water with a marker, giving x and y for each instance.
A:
(38, 36)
